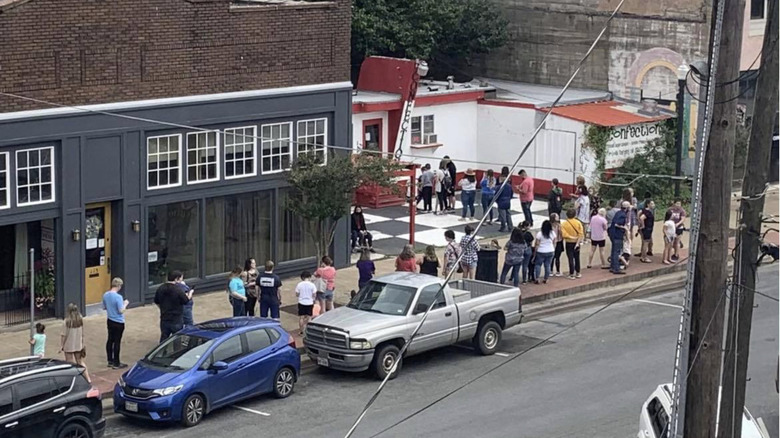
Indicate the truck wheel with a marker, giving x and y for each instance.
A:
(488, 337)
(384, 358)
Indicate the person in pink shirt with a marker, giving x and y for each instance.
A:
(526, 190)
(328, 273)
(598, 237)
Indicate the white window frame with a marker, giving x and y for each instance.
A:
(264, 140)
(206, 148)
(253, 141)
(7, 157)
(301, 139)
(181, 175)
(39, 184)
(421, 122)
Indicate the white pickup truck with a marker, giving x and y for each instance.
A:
(369, 332)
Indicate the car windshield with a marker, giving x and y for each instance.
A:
(180, 352)
(389, 299)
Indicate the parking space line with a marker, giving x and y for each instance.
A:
(264, 414)
(658, 303)
(502, 354)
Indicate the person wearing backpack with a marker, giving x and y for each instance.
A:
(451, 252)
(555, 199)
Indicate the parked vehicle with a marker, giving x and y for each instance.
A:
(48, 398)
(370, 331)
(654, 418)
(208, 366)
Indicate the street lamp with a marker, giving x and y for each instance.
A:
(682, 81)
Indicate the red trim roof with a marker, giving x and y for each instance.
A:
(604, 114)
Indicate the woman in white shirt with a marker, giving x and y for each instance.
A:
(583, 207)
(468, 192)
(545, 249)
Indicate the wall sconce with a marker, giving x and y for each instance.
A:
(135, 226)
(75, 235)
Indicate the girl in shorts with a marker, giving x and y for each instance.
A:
(306, 292)
(670, 233)
(328, 273)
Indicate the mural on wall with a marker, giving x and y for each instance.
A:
(627, 141)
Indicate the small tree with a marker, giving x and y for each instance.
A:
(323, 194)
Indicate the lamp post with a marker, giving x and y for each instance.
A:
(682, 78)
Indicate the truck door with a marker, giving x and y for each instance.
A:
(441, 325)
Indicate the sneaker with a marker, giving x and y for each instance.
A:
(572, 277)
(119, 366)
(463, 219)
(675, 258)
(578, 275)
(557, 274)
(649, 253)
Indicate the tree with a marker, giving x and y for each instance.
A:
(425, 29)
(322, 195)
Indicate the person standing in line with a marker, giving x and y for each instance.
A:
(582, 206)
(366, 268)
(545, 248)
(468, 186)
(678, 216)
(488, 185)
(38, 341)
(633, 219)
(326, 272)
(526, 190)
(617, 231)
(186, 316)
(115, 307)
(305, 291)
(236, 292)
(470, 248)
(453, 171)
(429, 263)
(555, 199)
(405, 261)
(72, 339)
(451, 252)
(555, 221)
(646, 225)
(598, 237)
(504, 202)
(249, 277)
(613, 209)
(171, 300)
(513, 260)
(528, 254)
(438, 186)
(670, 233)
(573, 236)
(427, 180)
(270, 298)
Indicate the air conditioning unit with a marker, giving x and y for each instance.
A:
(430, 139)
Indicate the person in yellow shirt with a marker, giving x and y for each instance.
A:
(573, 237)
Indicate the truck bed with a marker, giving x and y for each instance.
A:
(465, 289)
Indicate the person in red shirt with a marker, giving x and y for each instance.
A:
(526, 190)
(405, 262)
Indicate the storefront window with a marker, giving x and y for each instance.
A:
(293, 241)
(238, 227)
(173, 240)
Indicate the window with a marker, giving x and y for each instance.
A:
(62, 384)
(173, 240)
(239, 227)
(240, 152)
(163, 157)
(426, 297)
(6, 401)
(33, 392)
(293, 242)
(34, 176)
(312, 137)
(179, 352)
(257, 340)
(276, 147)
(658, 417)
(202, 153)
(757, 9)
(423, 130)
(5, 181)
(229, 350)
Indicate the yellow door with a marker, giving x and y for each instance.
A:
(97, 251)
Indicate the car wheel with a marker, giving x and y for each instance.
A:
(75, 429)
(193, 410)
(488, 337)
(384, 358)
(284, 383)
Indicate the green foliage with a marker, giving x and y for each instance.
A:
(323, 194)
(596, 138)
(658, 158)
(425, 29)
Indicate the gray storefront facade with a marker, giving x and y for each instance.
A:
(108, 190)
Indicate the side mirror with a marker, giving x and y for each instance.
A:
(219, 366)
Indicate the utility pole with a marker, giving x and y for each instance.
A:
(682, 85)
(752, 207)
(710, 273)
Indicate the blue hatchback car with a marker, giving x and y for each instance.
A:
(208, 366)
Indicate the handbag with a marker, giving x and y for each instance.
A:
(320, 284)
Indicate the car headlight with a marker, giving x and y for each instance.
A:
(168, 391)
(121, 382)
(359, 344)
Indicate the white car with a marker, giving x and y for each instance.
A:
(654, 419)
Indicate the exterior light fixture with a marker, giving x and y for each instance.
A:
(135, 226)
(422, 68)
(75, 235)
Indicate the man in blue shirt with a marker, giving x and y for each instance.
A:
(115, 307)
(616, 233)
(270, 299)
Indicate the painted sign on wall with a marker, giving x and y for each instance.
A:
(627, 141)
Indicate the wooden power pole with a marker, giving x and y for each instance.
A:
(752, 207)
(710, 273)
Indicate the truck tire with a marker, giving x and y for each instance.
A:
(384, 357)
(488, 337)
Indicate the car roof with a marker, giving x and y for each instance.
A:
(410, 279)
(219, 327)
(11, 369)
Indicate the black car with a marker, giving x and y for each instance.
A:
(48, 398)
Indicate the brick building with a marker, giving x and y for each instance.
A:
(130, 128)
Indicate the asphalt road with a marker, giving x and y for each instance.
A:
(589, 381)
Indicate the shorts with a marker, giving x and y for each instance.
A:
(598, 243)
(327, 295)
(679, 231)
(305, 309)
(469, 266)
(668, 240)
(647, 234)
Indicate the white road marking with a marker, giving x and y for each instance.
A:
(264, 414)
(502, 354)
(658, 303)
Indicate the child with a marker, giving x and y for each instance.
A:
(365, 267)
(670, 233)
(38, 340)
(626, 256)
(305, 291)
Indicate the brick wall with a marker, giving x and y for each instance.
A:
(98, 51)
